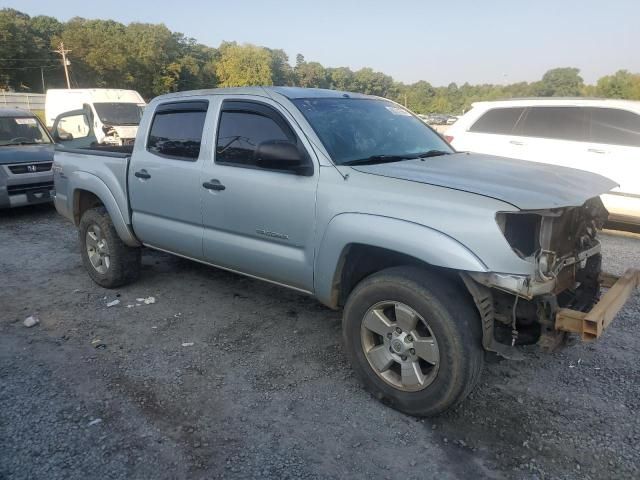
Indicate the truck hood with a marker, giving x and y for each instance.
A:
(26, 153)
(525, 185)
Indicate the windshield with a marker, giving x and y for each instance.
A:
(355, 130)
(119, 113)
(22, 131)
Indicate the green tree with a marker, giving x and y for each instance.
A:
(419, 96)
(340, 78)
(99, 53)
(152, 59)
(560, 82)
(621, 84)
(311, 75)
(281, 71)
(25, 48)
(242, 65)
(370, 82)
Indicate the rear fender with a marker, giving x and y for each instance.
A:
(85, 181)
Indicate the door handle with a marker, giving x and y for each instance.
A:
(213, 185)
(142, 174)
(516, 142)
(595, 150)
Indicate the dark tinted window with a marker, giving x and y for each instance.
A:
(177, 132)
(240, 133)
(615, 127)
(498, 120)
(119, 113)
(563, 123)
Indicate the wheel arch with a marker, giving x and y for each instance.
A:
(92, 192)
(357, 245)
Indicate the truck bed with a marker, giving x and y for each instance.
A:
(104, 168)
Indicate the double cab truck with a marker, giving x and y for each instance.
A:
(434, 256)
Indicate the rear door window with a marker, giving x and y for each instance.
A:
(615, 127)
(559, 123)
(176, 130)
(498, 120)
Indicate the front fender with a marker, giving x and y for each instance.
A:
(424, 243)
(80, 180)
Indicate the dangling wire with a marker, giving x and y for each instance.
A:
(514, 329)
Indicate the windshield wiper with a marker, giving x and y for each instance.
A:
(432, 153)
(395, 158)
(373, 159)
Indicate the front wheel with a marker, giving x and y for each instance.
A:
(414, 338)
(109, 262)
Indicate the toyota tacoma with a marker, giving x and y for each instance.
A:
(434, 256)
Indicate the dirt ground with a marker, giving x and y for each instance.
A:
(228, 377)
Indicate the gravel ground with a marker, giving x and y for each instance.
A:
(229, 377)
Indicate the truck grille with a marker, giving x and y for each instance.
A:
(30, 187)
(30, 168)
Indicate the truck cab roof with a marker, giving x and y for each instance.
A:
(289, 92)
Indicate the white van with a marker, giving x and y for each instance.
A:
(115, 113)
(601, 136)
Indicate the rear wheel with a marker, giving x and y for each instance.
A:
(414, 339)
(109, 262)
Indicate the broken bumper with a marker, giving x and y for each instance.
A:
(590, 325)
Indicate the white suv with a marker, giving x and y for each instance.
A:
(601, 136)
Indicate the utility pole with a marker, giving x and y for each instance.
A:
(42, 76)
(61, 51)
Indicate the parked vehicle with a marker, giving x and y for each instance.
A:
(601, 136)
(26, 156)
(435, 256)
(113, 114)
(440, 119)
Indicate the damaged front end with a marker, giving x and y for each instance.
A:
(562, 246)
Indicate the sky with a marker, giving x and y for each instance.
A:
(483, 41)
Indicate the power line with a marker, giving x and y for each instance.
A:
(27, 59)
(29, 68)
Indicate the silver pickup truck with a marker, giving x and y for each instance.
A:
(434, 256)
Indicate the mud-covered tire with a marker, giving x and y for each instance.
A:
(123, 263)
(452, 321)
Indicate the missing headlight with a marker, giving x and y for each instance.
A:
(522, 231)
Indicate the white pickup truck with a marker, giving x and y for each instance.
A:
(434, 256)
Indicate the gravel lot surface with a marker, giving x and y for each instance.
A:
(228, 377)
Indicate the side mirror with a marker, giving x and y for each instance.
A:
(63, 136)
(281, 155)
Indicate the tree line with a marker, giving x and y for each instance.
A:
(153, 60)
